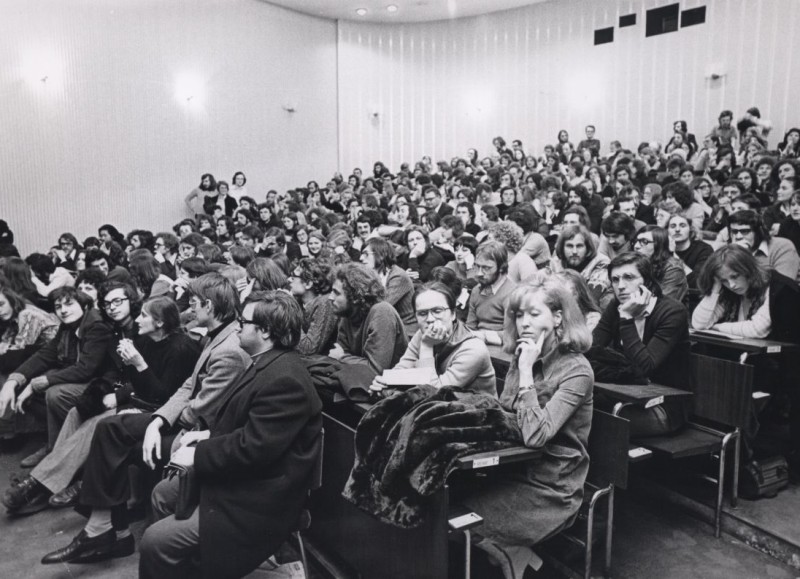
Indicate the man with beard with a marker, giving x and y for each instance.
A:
(371, 332)
(576, 250)
(487, 302)
(617, 230)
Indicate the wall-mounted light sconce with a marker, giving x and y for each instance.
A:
(289, 108)
(189, 89)
(42, 67)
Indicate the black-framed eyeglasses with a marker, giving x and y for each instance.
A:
(643, 241)
(437, 312)
(741, 231)
(243, 322)
(115, 303)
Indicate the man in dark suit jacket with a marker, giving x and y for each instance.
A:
(652, 332)
(254, 466)
(127, 439)
(433, 201)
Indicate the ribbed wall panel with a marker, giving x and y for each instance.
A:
(527, 73)
(109, 142)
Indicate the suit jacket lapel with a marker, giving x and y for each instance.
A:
(201, 361)
(262, 362)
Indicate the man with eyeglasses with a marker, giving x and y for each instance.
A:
(254, 465)
(433, 201)
(166, 253)
(146, 438)
(746, 228)
(371, 332)
(652, 332)
(487, 302)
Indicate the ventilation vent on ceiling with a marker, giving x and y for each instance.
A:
(603, 35)
(627, 20)
(693, 16)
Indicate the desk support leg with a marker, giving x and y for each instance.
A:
(721, 483)
(618, 408)
(609, 531)
(467, 555)
(743, 357)
(736, 459)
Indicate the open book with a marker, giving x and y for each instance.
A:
(409, 376)
(714, 334)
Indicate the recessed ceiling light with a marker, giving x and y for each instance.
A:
(361, 11)
(391, 8)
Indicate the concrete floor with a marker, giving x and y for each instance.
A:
(652, 541)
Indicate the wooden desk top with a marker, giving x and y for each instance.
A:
(750, 345)
(641, 393)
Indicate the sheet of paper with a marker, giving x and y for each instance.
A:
(409, 376)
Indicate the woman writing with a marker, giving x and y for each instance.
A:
(549, 389)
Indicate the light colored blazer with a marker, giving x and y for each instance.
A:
(222, 362)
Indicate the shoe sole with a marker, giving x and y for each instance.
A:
(27, 510)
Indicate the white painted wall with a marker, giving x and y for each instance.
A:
(105, 140)
(442, 87)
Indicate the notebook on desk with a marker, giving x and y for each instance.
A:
(713, 334)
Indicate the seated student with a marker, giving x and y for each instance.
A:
(56, 375)
(24, 329)
(46, 276)
(370, 330)
(254, 466)
(89, 282)
(378, 255)
(652, 331)
(466, 212)
(444, 344)
(691, 251)
(790, 228)
(533, 244)
(96, 258)
(743, 298)
(627, 203)
(464, 263)
(421, 257)
(18, 276)
(147, 276)
(652, 242)
(618, 230)
(310, 284)
(275, 242)
(520, 266)
(146, 437)
(746, 228)
(576, 250)
(549, 390)
(166, 253)
(156, 363)
(488, 299)
(578, 287)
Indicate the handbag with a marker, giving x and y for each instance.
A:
(763, 478)
(188, 489)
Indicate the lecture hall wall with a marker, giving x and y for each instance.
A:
(110, 135)
(439, 88)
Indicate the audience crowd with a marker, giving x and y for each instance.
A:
(194, 346)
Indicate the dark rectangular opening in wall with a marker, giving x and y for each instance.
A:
(662, 20)
(627, 20)
(693, 16)
(603, 35)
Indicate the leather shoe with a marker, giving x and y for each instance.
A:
(66, 498)
(121, 548)
(26, 497)
(34, 459)
(84, 547)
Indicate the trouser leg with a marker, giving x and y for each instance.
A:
(60, 399)
(169, 547)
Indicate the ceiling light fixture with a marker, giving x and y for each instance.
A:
(391, 8)
(361, 11)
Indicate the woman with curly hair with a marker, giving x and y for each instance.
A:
(310, 283)
(520, 265)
